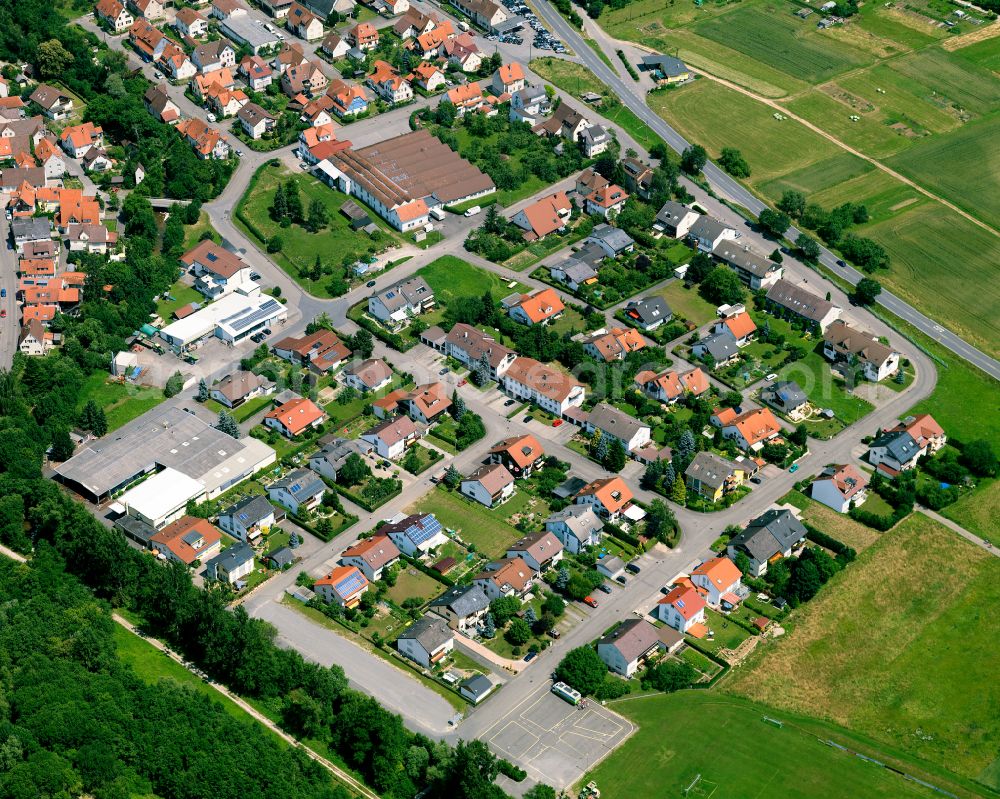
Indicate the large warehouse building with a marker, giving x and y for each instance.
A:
(164, 438)
(232, 318)
(404, 177)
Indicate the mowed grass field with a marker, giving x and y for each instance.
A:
(716, 116)
(978, 512)
(899, 648)
(451, 277)
(726, 741)
(839, 525)
(487, 529)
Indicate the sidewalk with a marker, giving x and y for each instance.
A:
(972, 539)
(474, 646)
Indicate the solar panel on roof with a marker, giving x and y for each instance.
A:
(351, 583)
(428, 527)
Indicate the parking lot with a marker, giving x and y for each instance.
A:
(554, 741)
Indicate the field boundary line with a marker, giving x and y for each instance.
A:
(777, 106)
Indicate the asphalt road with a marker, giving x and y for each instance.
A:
(724, 184)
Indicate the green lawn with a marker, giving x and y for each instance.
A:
(451, 278)
(978, 511)
(122, 402)
(484, 528)
(335, 244)
(890, 664)
(727, 634)
(412, 583)
(687, 303)
(152, 665)
(726, 742)
(182, 295)
(815, 378)
(427, 457)
(192, 233)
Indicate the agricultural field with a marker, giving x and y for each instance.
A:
(911, 667)
(771, 34)
(928, 244)
(677, 747)
(705, 112)
(963, 166)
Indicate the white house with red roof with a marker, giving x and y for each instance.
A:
(750, 430)
(682, 608)
(295, 416)
(371, 555)
(720, 581)
(345, 586)
(841, 487)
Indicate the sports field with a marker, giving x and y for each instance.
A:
(721, 747)
(899, 648)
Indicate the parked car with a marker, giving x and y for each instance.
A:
(756, 480)
(772, 376)
(255, 276)
(3, 292)
(508, 403)
(554, 633)
(444, 371)
(370, 284)
(557, 422)
(795, 468)
(3, 314)
(632, 568)
(589, 600)
(530, 656)
(621, 578)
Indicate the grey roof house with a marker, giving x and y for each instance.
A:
(613, 240)
(768, 537)
(426, 641)
(721, 346)
(299, 489)
(231, 565)
(577, 526)
(786, 396)
(649, 313)
(628, 645)
(462, 605)
(573, 272)
(248, 518)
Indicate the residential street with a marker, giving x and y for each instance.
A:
(421, 708)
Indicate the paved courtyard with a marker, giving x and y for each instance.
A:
(554, 741)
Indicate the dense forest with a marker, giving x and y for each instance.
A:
(75, 719)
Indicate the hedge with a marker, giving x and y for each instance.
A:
(394, 340)
(628, 66)
(829, 542)
(508, 769)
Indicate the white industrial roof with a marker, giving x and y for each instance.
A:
(162, 493)
(202, 323)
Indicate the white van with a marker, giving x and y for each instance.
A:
(437, 213)
(473, 211)
(463, 26)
